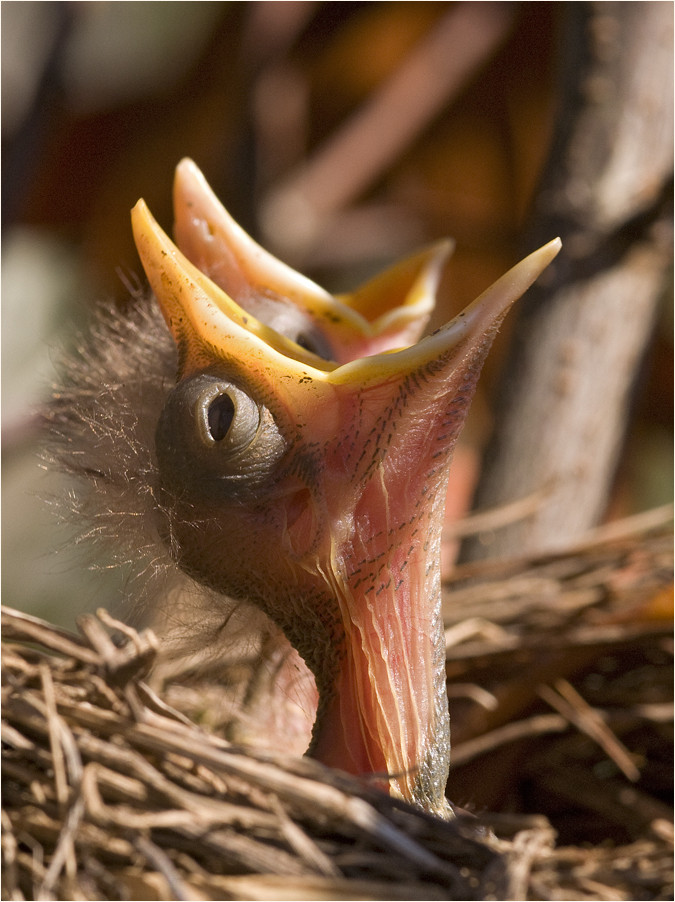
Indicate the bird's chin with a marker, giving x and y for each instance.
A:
(384, 737)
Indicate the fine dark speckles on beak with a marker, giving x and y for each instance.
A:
(339, 539)
(390, 311)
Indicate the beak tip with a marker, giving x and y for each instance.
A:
(187, 166)
(142, 223)
(139, 212)
(440, 254)
(188, 183)
(446, 247)
(553, 248)
(544, 256)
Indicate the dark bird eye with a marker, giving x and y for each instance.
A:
(213, 436)
(220, 415)
(223, 413)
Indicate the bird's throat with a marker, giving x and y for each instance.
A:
(385, 715)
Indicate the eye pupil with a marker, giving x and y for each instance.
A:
(221, 414)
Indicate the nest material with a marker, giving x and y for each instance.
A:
(561, 694)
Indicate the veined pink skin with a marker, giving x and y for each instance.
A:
(340, 544)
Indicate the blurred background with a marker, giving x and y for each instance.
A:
(342, 136)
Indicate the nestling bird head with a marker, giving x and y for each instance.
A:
(309, 480)
(290, 449)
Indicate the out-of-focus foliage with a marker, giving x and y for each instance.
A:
(341, 134)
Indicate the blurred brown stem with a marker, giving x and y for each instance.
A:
(582, 333)
(377, 133)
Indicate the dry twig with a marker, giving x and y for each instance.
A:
(109, 793)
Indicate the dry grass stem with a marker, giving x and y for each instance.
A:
(111, 793)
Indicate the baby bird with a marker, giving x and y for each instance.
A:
(287, 449)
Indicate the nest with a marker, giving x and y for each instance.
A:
(560, 688)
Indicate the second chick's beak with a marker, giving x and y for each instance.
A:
(388, 312)
(315, 490)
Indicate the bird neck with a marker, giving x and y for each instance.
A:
(385, 713)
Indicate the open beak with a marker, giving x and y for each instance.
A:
(340, 540)
(390, 311)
